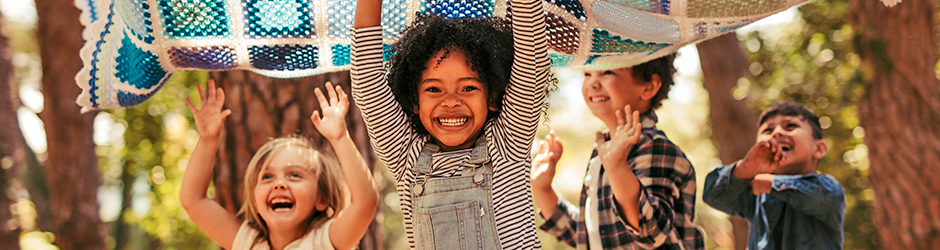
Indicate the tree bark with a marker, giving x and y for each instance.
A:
(900, 110)
(12, 148)
(72, 166)
(733, 122)
(265, 108)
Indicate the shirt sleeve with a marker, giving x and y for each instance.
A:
(525, 94)
(728, 193)
(820, 196)
(661, 168)
(563, 223)
(384, 118)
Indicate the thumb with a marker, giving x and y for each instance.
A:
(599, 138)
(223, 115)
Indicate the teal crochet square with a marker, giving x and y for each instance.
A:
(194, 18)
(278, 18)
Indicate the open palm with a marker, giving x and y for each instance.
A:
(210, 118)
(622, 137)
(333, 123)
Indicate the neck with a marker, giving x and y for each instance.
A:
(278, 239)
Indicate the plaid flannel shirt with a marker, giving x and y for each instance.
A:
(666, 203)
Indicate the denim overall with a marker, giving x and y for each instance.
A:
(452, 213)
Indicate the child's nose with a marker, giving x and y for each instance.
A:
(280, 184)
(450, 101)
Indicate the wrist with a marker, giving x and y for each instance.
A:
(741, 172)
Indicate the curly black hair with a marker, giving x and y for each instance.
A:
(486, 42)
(660, 66)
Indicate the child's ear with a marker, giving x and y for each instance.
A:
(651, 88)
(821, 148)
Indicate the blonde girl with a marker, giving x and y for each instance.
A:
(294, 194)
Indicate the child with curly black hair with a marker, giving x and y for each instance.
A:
(454, 122)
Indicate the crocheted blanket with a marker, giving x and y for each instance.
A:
(133, 46)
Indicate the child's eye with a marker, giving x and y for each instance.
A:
(767, 131)
(266, 176)
(432, 89)
(608, 72)
(295, 175)
(791, 126)
(470, 88)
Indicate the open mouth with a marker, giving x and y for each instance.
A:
(599, 99)
(281, 204)
(452, 122)
(786, 147)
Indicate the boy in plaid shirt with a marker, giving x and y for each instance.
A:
(639, 188)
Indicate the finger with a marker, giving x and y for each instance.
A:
(220, 99)
(636, 118)
(224, 115)
(211, 89)
(342, 99)
(628, 119)
(191, 106)
(202, 97)
(543, 147)
(599, 138)
(321, 98)
(332, 92)
(315, 118)
(620, 120)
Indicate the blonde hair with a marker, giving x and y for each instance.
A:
(330, 186)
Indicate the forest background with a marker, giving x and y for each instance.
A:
(110, 179)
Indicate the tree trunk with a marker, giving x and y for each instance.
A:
(265, 108)
(72, 166)
(12, 148)
(732, 121)
(900, 110)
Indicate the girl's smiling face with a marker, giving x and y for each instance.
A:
(452, 100)
(286, 192)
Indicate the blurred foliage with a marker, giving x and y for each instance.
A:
(814, 64)
(145, 166)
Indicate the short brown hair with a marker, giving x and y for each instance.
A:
(793, 109)
(660, 66)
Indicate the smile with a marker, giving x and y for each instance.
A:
(281, 204)
(452, 122)
(599, 99)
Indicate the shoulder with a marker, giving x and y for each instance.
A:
(318, 238)
(829, 182)
(245, 238)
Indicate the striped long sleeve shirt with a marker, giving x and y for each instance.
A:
(509, 135)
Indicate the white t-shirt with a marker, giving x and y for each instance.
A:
(318, 238)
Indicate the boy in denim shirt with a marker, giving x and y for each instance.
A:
(776, 187)
(639, 188)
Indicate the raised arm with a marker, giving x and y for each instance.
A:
(368, 13)
(729, 194)
(525, 94)
(613, 155)
(209, 216)
(383, 115)
(349, 226)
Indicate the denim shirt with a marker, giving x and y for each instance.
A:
(800, 212)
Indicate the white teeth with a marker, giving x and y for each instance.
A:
(599, 99)
(452, 121)
(280, 200)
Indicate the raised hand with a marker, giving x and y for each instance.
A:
(333, 123)
(210, 118)
(763, 158)
(543, 164)
(622, 137)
